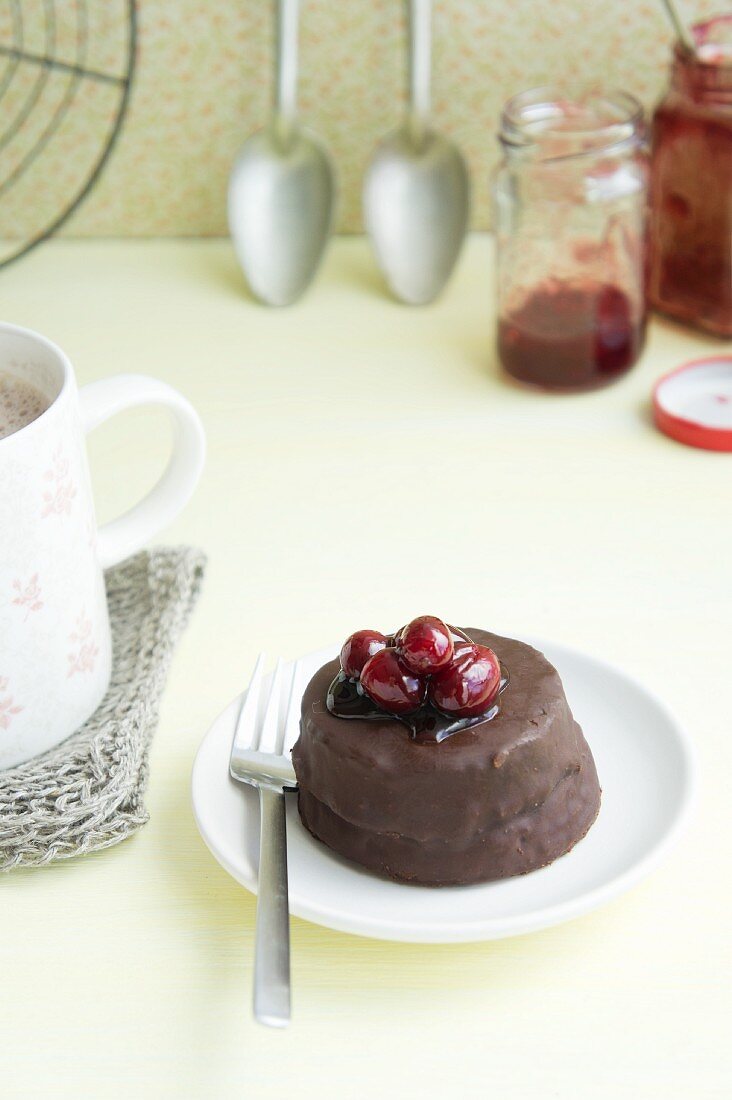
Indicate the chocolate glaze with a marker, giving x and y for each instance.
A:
(500, 798)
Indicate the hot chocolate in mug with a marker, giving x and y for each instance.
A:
(55, 642)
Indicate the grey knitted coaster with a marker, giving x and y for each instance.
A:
(87, 793)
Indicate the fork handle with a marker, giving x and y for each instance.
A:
(272, 941)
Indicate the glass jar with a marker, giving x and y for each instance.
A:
(570, 200)
(691, 184)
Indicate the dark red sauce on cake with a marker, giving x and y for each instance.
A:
(345, 699)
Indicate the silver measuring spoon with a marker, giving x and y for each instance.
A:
(282, 188)
(416, 193)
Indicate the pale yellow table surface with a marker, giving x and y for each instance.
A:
(367, 463)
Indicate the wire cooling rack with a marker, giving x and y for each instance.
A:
(66, 69)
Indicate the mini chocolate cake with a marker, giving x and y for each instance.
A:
(509, 793)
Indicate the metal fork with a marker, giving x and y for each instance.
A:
(257, 757)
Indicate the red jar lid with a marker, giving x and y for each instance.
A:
(694, 403)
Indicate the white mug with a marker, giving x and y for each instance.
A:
(55, 642)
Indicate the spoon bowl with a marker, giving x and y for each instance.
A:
(281, 199)
(416, 201)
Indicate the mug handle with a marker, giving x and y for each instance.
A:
(130, 531)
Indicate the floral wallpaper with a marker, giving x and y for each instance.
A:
(203, 83)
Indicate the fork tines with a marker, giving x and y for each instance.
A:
(268, 727)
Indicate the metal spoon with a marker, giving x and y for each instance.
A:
(282, 188)
(416, 194)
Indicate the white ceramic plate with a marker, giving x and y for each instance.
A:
(645, 763)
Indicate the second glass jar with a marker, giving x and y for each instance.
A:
(691, 184)
(570, 216)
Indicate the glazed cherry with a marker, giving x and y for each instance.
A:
(469, 686)
(425, 645)
(358, 648)
(390, 684)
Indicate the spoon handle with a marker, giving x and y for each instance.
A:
(682, 31)
(287, 14)
(419, 20)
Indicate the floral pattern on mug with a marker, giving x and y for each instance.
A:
(28, 595)
(8, 706)
(60, 494)
(84, 650)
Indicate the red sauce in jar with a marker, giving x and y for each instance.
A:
(570, 335)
